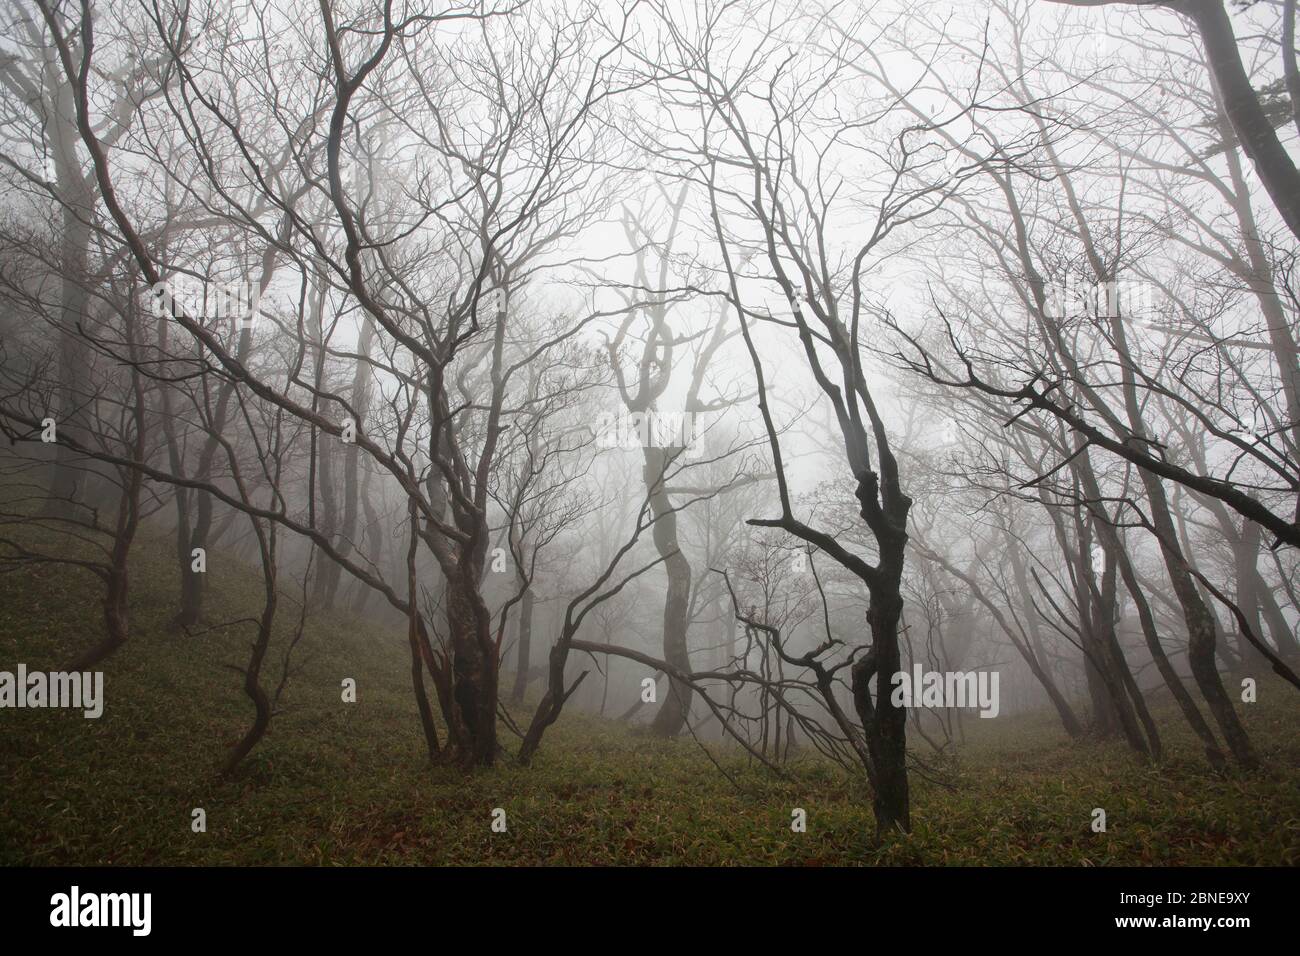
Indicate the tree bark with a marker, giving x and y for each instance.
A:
(676, 705)
(524, 653)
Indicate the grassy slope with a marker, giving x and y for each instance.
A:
(345, 784)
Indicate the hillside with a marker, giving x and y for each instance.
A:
(337, 783)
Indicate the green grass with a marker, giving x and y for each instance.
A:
(335, 783)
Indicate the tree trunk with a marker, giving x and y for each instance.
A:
(1032, 651)
(1249, 122)
(884, 724)
(676, 705)
(1175, 684)
(525, 646)
(74, 297)
(1201, 632)
(474, 673)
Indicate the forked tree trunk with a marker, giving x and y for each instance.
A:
(884, 725)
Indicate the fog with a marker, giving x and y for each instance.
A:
(804, 382)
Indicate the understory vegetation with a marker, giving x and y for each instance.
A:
(349, 784)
